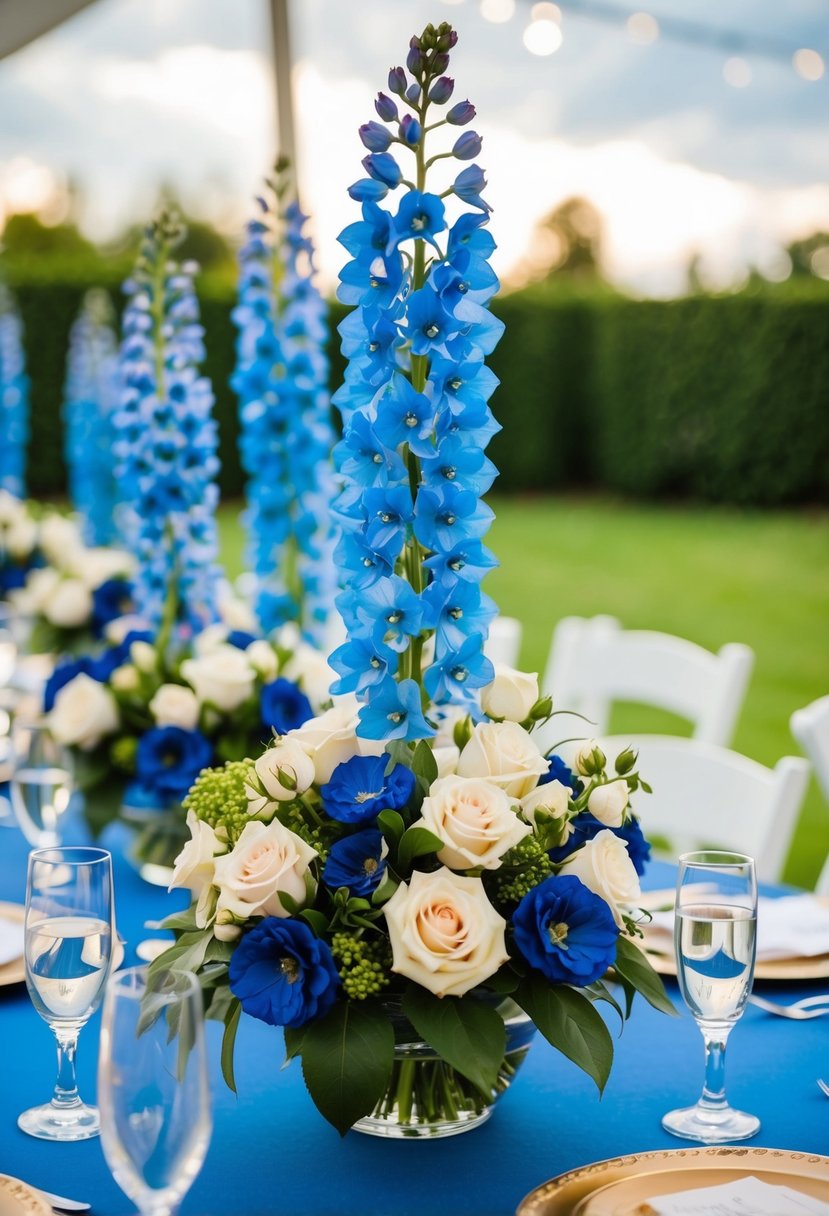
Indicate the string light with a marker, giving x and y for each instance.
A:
(736, 72)
(808, 64)
(546, 12)
(497, 11)
(643, 28)
(542, 37)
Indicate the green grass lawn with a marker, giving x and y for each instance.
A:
(712, 575)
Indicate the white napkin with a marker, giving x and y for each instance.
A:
(11, 940)
(746, 1197)
(794, 926)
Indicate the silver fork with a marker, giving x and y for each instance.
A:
(800, 1011)
(824, 1087)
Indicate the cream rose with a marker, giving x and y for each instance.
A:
(60, 540)
(211, 638)
(267, 859)
(285, 758)
(262, 657)
(603, 864)
(511, 695)
(144, 656)
(97, 566)
(237, 614)
(446, 758)
(125, 679)
(70, 604)
(84, 711)
(475, 821)
(195, 866)
(505, 754)
(21, 537)
(175, 705)
(607, 803)
(445, 934)
(223, 677)
(37, 591)
(309, 668)
(331, 738)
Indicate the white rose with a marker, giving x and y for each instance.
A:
(588, 758)
(211, 638)
(554, 799)
(223, 678)
(505, 754)
(195, 866)
(175, 705)
(331, 738)
(309, 668)
(445, 934)
(115, 631)
(262, 657)
(38, 590)
(60, 540)
(21, 537)
(124, 679)
(511, 695)
(285, 757)
(11, 508)
(99, 565)
(446, 758)
(267, 859)
(70, 604)
(607, 803)
(144, 656)
(237, 614)
(603, 864)
(84, 711)
(475, 821)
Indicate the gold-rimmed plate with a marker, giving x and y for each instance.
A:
(18, 1199)
(622, 1186)
(14, 972)
(660, 952)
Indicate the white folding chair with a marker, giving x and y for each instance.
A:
(594, 662)
(504, 642)
(709, 796)
(810, 726)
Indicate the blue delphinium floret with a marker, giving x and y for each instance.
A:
(167, 762)
(565, 931)
(14, 398)
(284, 706)
(283, 974)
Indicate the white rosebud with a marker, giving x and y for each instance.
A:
(445, 934)
(21, 537)
(195, 866)
(511, 695)
(331, 738)
(603, 864)
(60, 540)
(222, 678)
(607, 803)
(124, 679)
(285, 771)
(144, 656)
(84, 711)
(70, 605)
(475, 821)
(175, 705)
(505, 754)
(38, 590)
(211, 638)
(262, 657)
(237, 614)
(267, 859)
(589, 759)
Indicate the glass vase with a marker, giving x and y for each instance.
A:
(426, 1097)
(160, 835)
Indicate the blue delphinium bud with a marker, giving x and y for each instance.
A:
(410, 130)
(397, 81)
(441, 90)
(413, 94)
(383, 168)
(385, 107)
(467, 146)
(440, 63)
(468, 186)
(414, 61)
(367, 190)
(375, 137)
(461, 114)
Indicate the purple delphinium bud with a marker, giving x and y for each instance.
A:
(376, 137)
(414, 61)
(467, 146)
(441, 90)
(410, 130)
(383, 168)
(461, 114)
(439, 63)
(413, 94)
(385, 107)
(397, 81)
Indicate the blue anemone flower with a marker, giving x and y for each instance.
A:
(565, 931)
(360, 788)
(283, 974)
(356, 862)
(284, 706)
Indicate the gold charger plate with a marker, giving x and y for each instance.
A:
(14, 972)
(663, 960)
(623, 1185)
(18, 1199)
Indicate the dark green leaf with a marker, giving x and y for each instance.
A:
(569, 1021)
(417, 842)
(467, 1034)
(288, 903)
(423, 762)
(232, 1016)
(347, 1058)
(392, 826)
(293, 1041)
(599, 991)
(632, 965)
(386, 889)
(182, 921)
(504, 981)
(317, 920)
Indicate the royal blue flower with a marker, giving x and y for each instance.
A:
(565, 931)
(457, 672)
(442, 90)
(392, 611)
(284, 706)
(405, 416)
(382, 167)
(559, 771)
(375, 136)
(461, 113)
(240, 638)
(356, 862)
(468, 186)
(283, 974)
(60, 677)
(169, 759)
(360, 788)
(429, 323)
(411, 131)
(109, 601)
(585, 827)
(360, 665)
(389, 510)
(467, 146)
(446, 515)
(419, 217)
(368, 190)
(386, 108)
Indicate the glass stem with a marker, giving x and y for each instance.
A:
(66, 1093)
(713, 1090)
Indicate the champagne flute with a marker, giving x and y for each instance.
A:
(68, 933)
(152, 1086)
(715, 929)
(41, 785)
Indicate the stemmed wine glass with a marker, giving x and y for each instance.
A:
(152, 1086)
(41, 784)
(715, 929)
(68, 934)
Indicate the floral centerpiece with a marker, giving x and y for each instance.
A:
(405, 883)
(287, 433)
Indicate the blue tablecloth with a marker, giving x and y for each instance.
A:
(272, 1154)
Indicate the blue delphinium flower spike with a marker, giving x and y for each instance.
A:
(14, 398)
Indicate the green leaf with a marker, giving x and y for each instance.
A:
(229, 1042)
(392, 826)
(317, 920)
(386, 889)
(288, 902)
(423, 762)
(347, 1059)
(599, 991)
(293, 1041)
(417, 842)
(182, 921)
(632, 965)
(186, 955)
(504, 982)
(467, 1034)
(569, 1021)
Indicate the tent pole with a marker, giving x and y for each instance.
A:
(282, 62)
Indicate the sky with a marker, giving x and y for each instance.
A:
(133, 93)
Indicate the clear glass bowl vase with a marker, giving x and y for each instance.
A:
(426, 1097)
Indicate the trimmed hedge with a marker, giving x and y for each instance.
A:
(718, 398)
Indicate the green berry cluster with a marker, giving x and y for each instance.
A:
(363, 964)
(522, 868)
(292, 816)
(218, 797)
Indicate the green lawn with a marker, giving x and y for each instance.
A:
(708, 574)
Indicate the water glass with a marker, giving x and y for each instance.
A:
(68, 933)
(715, 929)
(8, 652)
(41, 785)
(7, 816)
(153, 1087)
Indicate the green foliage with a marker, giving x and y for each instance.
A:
(347, 1059)
(363, 963)
(467, 1034)
(637, 975)
(218, 797)
(570, 1022)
